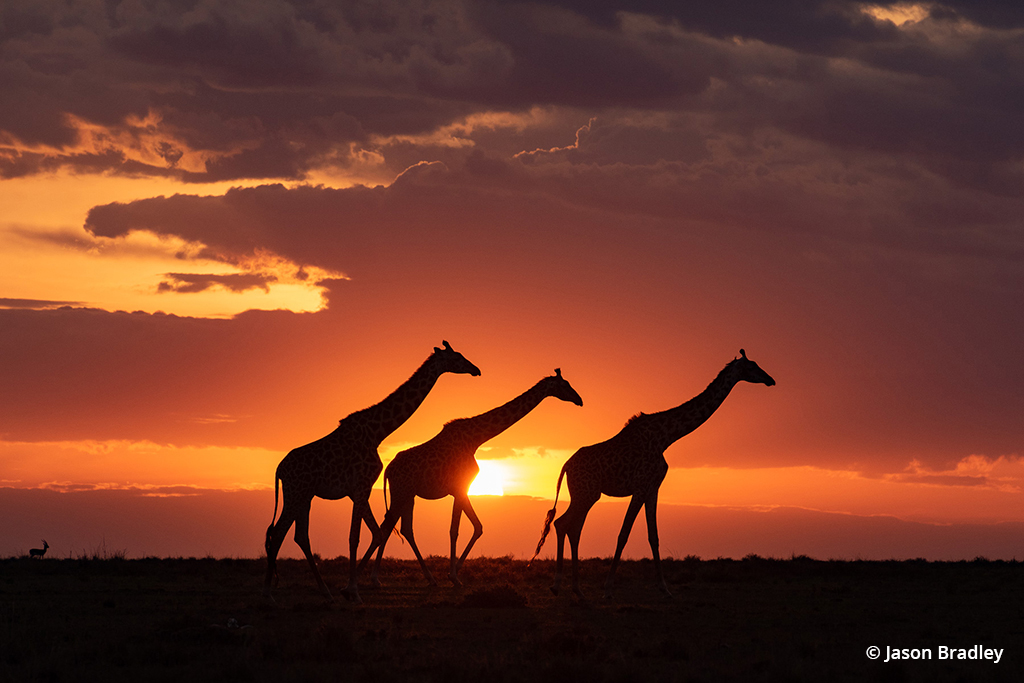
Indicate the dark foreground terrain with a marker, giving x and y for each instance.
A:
(748, 620)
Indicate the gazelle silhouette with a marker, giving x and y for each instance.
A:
(632, 463)
(39, 552)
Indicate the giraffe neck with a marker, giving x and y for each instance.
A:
(382, 419)
(486, 426)
(673, 424)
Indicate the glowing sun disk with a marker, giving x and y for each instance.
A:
(490, 480)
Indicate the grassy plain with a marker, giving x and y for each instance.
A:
(114, 619)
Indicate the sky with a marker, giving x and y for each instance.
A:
(226, 225)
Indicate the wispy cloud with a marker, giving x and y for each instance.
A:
(35, 304)
(191, 283)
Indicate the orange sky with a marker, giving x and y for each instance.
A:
(212, 251)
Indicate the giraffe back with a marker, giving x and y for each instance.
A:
(630, 462)
(436, 468)
(343, 463)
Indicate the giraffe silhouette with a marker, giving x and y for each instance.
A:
(632, 463)
(446, 466)
(346, 463)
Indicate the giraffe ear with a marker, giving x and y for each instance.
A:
(558, 373)
(447, 345)
(743, 353)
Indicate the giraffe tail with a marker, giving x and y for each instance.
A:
(277, 489)
(548, 519)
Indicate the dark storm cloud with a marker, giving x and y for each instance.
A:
(1005, 14)
(560, 59)
(660, 172)
(806, 25)
(214, 91)
(262, 89)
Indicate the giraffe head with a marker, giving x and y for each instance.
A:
(450, 360)
(748, 371)
(561, 389)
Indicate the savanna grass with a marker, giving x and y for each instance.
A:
(756, 619)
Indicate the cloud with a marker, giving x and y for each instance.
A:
(633, 143)
(219, 91)
(818, 26)
(131, 489)
(1005, 473)
(676, 171)
(191, 283)
(34, 304)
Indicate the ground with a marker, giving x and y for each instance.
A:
(747, 620)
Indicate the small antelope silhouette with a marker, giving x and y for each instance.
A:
(39, 552)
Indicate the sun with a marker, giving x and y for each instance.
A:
(490, 480)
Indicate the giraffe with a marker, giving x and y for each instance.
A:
(346, 463)
(446, 466)
(632, 463)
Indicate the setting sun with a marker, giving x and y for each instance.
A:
(490, 481)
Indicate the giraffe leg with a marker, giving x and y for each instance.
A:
(627, 525)
(561, 527)
(351, 591)
(408, 534)
(571, 524)
(651, 511)
(560, 547)
(275, 537)
(574, 532)
(387, 525)
(374, 544)
(302, 539)
(461, 506)
(453, 534)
